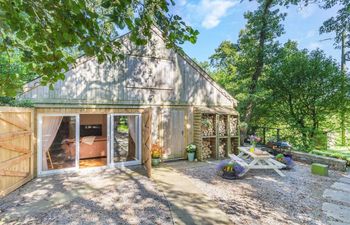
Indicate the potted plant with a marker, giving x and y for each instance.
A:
(229, 169)
(156, 154)
(253, 141)
(286, 160)
(191, 151)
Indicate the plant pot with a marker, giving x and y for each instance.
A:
(190, 156)
(155, 161)
(229, 175)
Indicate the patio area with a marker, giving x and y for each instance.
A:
(106, 197)
(264, 197)
(179, 193)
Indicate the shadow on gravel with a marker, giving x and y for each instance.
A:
(107, 197)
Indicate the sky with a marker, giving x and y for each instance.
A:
(219, 20)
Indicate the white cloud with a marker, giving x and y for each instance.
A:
(214, 11)
(208, 13)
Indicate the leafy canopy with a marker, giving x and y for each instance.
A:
(305, 88)
(49, 35)
(340, 23)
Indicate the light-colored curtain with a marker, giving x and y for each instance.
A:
(49, 130)
(132, 127)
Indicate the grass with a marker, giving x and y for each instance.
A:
(337, 153)
(122, 128)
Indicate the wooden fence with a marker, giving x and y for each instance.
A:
(16, 148)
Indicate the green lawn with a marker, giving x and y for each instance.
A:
(339, 152)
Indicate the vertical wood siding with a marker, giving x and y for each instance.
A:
(151, 75)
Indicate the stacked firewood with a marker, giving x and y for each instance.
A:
(208, 126)
(222, 126)
(222, 148)
(233, 125)
(206, 150)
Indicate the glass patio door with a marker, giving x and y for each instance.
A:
(125, 139)
(58, 142)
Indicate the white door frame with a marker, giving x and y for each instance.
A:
(40, 149)
(111, 140)
(110, 143)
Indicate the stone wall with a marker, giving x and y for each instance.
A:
(336, 164)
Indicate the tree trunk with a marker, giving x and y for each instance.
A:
(259, 64)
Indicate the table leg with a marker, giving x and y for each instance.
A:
(275, 168)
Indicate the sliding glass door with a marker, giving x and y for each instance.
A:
(73, 141)
(125, 139)
(58, 142)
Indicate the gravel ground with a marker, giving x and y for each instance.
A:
(113, 197)
(263, 197)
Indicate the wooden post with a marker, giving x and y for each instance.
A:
(217, 136)
(264, 135)
(278, 134)
(228, 126)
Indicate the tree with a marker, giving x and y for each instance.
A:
(49, 35)
(305, 88)
(340, 25)
(257, 44)
(11, 69)
(244, 63)
(224, 62)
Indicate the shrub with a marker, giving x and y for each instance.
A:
(337, 155)
(10, 101)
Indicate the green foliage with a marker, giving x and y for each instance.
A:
(13, 74)
(305, 88)
(298, 90)
(10, 101)
(339, 23)
(241, 68)
(333, 154)
(191, 148)
(281, 86)
(257, 47)
(49, 35)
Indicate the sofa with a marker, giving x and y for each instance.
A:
(95, 149)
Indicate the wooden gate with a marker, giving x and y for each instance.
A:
(16, 148)
(147, 140)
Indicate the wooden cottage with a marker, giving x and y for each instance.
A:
(109, 114)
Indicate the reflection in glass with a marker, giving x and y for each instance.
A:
(57, 133)
(125, 138)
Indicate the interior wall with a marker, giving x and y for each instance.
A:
(94, 119)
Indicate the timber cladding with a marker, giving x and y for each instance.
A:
(16, 147)
(215, 132)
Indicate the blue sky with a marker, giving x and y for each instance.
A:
(219, 20)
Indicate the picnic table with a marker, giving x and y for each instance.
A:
(257, 160)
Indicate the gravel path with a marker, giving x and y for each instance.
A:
(263, 197)
(113, 197)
